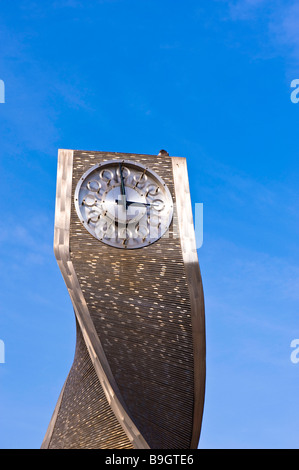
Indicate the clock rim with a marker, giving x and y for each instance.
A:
(132, 163)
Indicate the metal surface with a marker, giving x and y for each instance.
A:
(138, 375)
(193, 275)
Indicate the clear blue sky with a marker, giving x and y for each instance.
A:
(206, 80)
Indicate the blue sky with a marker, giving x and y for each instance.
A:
(206, 80)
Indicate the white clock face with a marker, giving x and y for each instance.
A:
(124, 204)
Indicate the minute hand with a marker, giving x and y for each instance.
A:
(123, 190)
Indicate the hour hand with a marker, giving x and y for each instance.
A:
(136, 204)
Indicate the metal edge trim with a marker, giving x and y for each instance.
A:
(193, 274)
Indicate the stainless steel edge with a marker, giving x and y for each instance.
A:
(193, 274)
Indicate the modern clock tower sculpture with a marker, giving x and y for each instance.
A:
(125, 244)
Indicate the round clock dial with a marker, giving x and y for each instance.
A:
(124, 204)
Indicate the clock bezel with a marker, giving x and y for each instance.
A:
(160, 182)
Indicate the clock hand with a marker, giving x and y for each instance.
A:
(138, 204)
(122, 187)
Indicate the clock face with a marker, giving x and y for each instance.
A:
(123, 204)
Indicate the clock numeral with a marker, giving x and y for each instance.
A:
(105, 228)
(152, 190)
(94, 186)
(158, 205)
(93, 217)
(89, 201)
(142, 231)
(125, 171)
(106, 175)
(140, 180)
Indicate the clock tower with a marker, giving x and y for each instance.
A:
(125, 244)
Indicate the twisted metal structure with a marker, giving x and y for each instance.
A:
(138, 375)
